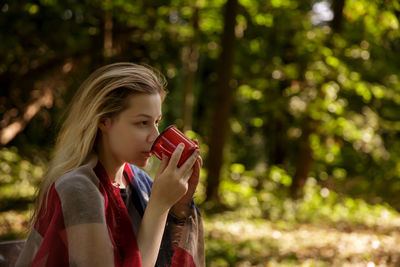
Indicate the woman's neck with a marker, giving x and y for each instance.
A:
(113, 167)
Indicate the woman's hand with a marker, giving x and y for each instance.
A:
(172, 183)
(181, 209)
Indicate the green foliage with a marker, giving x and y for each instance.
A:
(322, 204)
(254, 197)
(19, 179)
(288, 70)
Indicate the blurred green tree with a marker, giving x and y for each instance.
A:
(314, 84)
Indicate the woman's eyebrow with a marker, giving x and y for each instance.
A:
(145, 115)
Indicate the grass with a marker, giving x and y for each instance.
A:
(232, 240)
(257, 242)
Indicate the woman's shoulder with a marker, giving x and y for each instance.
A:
(80, 179)
(80, 197)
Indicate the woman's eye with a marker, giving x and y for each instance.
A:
(147, 123)
(142, 123)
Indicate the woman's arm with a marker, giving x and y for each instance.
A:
(170, 184)
(151, 232)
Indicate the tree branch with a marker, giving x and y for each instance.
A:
(46, 99)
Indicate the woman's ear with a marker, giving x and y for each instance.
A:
(105, 124)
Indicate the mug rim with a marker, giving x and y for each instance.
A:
(158, 137)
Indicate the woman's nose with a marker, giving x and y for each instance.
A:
(154, 134)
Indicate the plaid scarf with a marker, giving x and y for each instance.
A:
(88, 223)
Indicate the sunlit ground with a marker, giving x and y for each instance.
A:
(236, 242)
(232, 241)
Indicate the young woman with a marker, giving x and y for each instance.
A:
(94, 206)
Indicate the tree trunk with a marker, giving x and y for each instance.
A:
(337, 8)
(276, 143)
(220, 123)
(43, 97)
(305, 158)
(108, 31)
(304, 162)
(190, 57)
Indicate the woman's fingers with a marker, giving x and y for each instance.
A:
(173, 161)
(163, 164)
(187, 175)
(200, 160)
(188, 165)
(173, 183)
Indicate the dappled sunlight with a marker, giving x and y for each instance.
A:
(14, 225)
(320, 229)
(262, 242)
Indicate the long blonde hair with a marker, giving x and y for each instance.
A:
(103, 95)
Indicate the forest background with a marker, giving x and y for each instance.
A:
(295, 104)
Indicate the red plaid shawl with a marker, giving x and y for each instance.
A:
(88, 224)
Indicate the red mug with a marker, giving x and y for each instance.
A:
(167, 142)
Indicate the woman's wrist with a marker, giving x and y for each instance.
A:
(181, 211)
(157, 206)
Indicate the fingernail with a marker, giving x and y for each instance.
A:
(181, 145)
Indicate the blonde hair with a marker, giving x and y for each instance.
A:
(103, 95)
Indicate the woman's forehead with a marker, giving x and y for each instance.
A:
(144, 105)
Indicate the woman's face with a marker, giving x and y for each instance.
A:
(129, 136)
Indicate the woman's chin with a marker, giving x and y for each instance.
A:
(140, 163)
